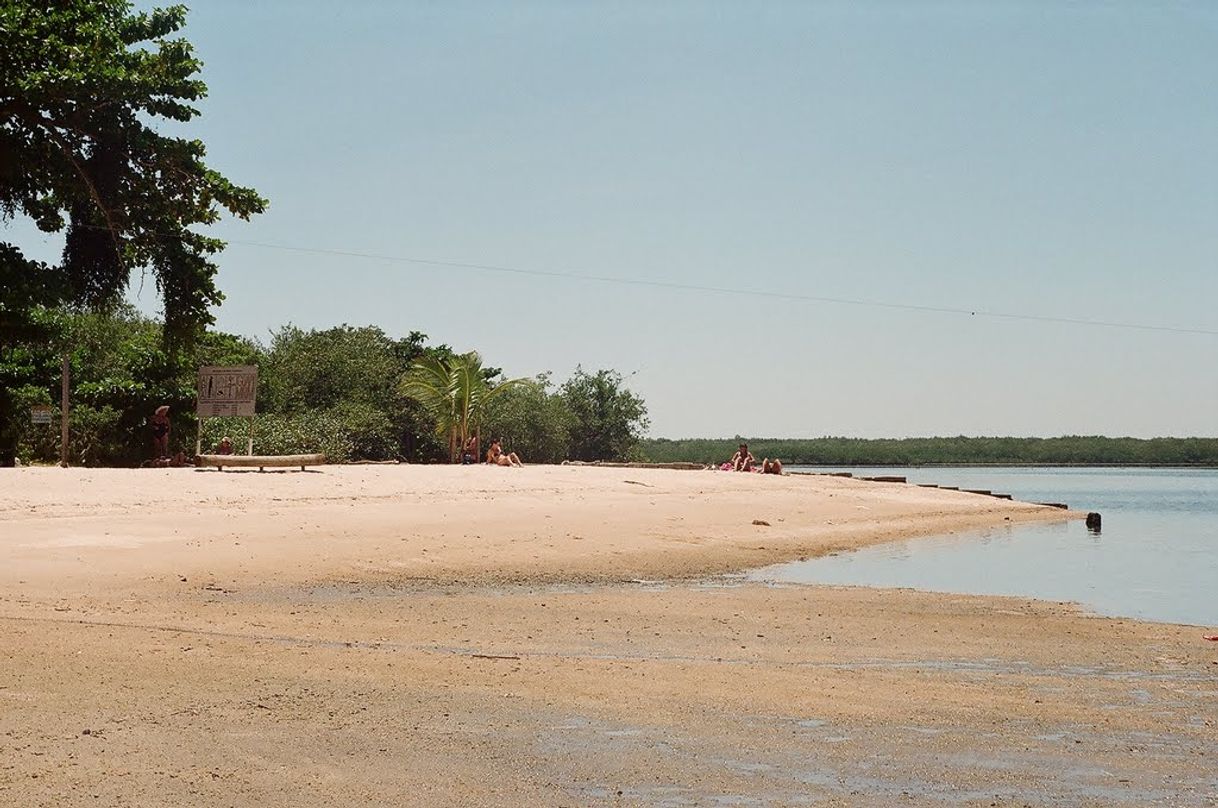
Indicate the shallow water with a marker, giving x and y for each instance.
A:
(1155, 557)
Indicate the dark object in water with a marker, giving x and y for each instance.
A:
(1093, 522)
(1061, 505)
(884, 479)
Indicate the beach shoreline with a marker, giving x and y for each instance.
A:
(449, 635)
(465, 523)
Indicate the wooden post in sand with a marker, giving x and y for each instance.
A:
(63, 412)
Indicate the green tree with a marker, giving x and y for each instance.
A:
(29, 332)
(458, 392)
(79, 100)
(608, 419)
(312, 370)
(352, 375)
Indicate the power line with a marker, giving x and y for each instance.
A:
(725, 290)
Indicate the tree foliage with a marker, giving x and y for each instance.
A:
(457, 391)
(353, 393)
(994, 451)
(608, 420)
(83, 84)
(533, 420)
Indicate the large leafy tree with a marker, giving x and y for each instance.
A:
(608, 419)
(83, 86)
(352, 375)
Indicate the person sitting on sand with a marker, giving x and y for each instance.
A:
(769, 466)
(742, 460)
(225, 446)
(469, 455)
(495, 455)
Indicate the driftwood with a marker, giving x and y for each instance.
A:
(262, 462)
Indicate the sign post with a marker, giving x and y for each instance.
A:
(40, 414)
(227, 392)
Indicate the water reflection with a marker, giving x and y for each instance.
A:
(1152, 555)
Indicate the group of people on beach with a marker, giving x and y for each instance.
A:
(743, 460)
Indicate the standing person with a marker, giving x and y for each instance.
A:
(159, 423)
(469, 455)
(743, 460)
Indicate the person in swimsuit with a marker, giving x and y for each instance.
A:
(743, 460)
(469, 455)
(159, 423)
(496, 457)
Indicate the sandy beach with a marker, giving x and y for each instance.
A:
(552, 636)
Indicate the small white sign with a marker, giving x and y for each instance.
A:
(40, 414)
(226, 391)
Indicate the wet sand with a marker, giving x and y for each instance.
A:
(413, 635)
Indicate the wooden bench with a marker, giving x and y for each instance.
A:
(261, 461)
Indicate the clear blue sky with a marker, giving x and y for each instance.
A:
(1048, 159)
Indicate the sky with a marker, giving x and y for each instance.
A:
(1047, 160)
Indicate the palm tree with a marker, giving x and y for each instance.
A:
(456, 392)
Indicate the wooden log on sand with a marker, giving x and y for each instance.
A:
(262, 462)
(884, 479)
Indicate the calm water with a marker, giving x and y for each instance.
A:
(1156, 557)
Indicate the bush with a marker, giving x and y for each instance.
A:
(343, 433)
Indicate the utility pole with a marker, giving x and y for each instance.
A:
(63, 413)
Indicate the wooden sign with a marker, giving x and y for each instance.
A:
(40, 414)
(227, 391)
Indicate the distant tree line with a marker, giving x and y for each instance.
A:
(829, 451)
(343, 391)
